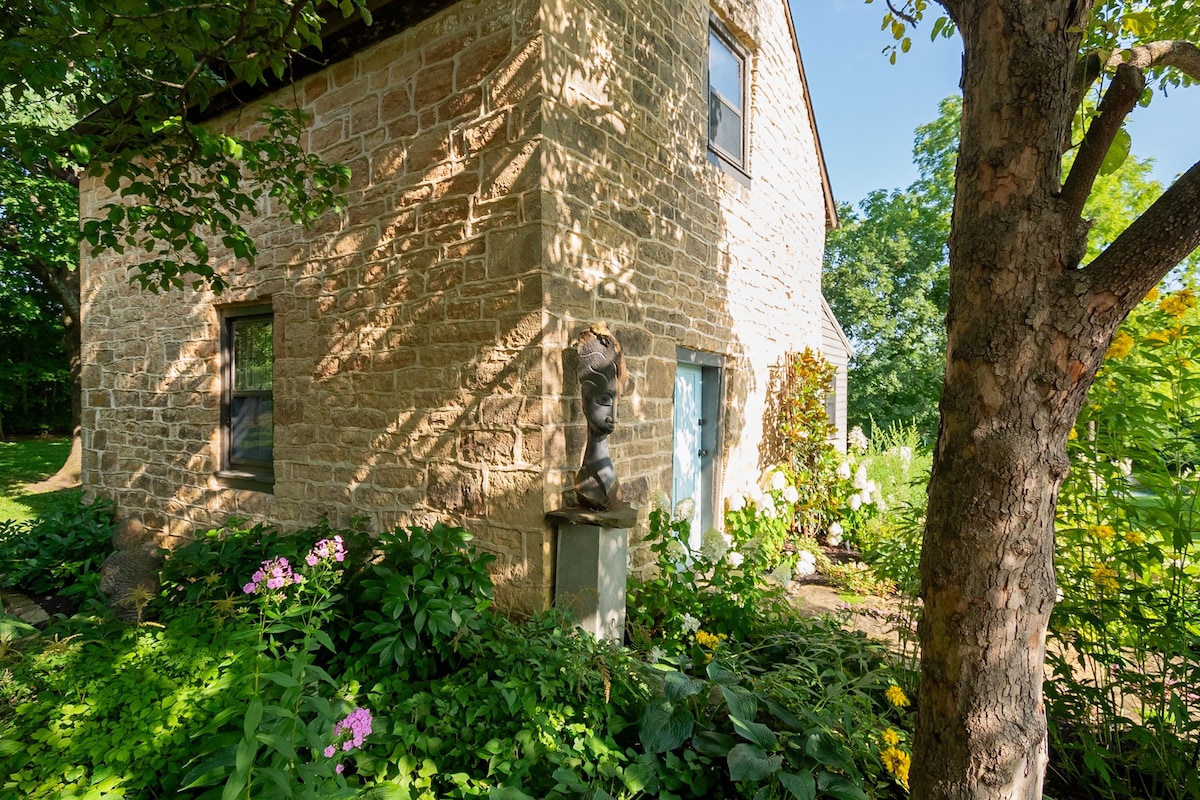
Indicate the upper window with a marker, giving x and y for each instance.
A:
(726, 99)
(247, 407)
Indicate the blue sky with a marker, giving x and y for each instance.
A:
(867, 109)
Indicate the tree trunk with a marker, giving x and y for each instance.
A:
(1022, 350)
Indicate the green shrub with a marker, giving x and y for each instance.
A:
(537, 707)
(425, 591)
(812, 711)
(1125, 636)
(719, 590)
(58, 553)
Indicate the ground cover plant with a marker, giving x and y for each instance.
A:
(282, 666)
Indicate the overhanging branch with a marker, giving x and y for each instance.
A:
(1118, 101)
(1128, 83)
(1165, 234)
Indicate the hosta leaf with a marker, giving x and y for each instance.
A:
(749, 762)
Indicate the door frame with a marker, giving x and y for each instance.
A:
(712, 407)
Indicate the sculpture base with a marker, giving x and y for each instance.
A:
(590, 570)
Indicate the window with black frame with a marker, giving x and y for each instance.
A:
(248, 399)
(726, 100)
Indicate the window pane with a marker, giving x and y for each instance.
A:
(251, 431)
(253, 355)
(724, 71)
(724, 128)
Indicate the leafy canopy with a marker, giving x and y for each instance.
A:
(120, 88)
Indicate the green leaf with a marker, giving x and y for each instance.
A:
(742, 703)
(749, 762)
(677, 686)
(839, 787)
(1118, 151)
(801, 786)
(713, 743)
(507, 793)
(827, 752)
(281, 678)
(665, 726)
(254, 714)
(755, 732)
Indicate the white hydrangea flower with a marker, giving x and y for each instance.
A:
(714, 545)
(855, 502)
(735, 559)
(778, 480)
(806, 565)
(685, 509)
(860, 477)
(769, 510)
(790, 494)
(857, 439)
(843, 471)
(690, 624)
(737, 502)
(834, 535)
(660, 501)
(676, 549)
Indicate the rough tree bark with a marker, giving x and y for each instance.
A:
(1027, 329)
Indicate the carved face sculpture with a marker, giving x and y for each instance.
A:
(600, 364)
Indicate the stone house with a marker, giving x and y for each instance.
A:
(521, 169)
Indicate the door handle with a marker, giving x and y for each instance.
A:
(702, 453)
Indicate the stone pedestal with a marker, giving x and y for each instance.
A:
(590, 570)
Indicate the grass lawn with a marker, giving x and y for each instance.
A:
(24, 461)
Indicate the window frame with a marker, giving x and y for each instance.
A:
(735, 163)
(243, 473)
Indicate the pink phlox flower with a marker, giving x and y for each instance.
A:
(329, 751)
(276, 573)
(338, 769)
(326, 550)
(358, 724)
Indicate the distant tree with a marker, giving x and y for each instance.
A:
(886, 274)
(119, 88)
(1028, 325)
(885, 278)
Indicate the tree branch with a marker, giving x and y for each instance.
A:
(1118, 101)
(1155, 242)
(1128, 83)
(1183, 56)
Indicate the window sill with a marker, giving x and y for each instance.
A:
(238, 479)
(729, 168)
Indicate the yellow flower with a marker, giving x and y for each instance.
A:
(890, 737)
(1152, 295)
(896, 762)
(895, 695)
(1072, 435)
(706, 639)
(1133, 537)
(1122, 343)
(1177, 304)
(1104, 533)
(1105, 578)
(1163, 337)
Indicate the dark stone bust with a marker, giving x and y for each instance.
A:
(601, 371)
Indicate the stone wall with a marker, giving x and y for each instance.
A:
(646, 233)
(521, 169)
(408, 329)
